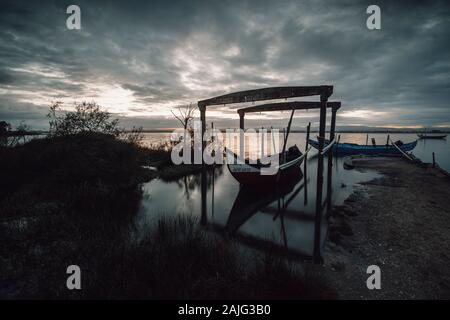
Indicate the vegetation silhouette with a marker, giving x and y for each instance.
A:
(71, 198)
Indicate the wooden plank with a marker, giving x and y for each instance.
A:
(291, 105)
(269, 94)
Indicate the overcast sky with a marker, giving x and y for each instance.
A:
(140, 59)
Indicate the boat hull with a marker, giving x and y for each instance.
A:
(259, 180)
(427, 136)
(355, 149)
(251, 175)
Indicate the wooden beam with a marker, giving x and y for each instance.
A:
(291, 105)
(269, 94)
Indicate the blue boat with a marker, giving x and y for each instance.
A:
(353, 149)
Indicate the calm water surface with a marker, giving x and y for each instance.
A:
(285, 218)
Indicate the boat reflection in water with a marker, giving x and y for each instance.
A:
(222, 205)
(260, 218)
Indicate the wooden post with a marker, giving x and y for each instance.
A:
(318, 218)
(305, 167)
(204, 217)
(308, 129)
(330, 161)
(367, 139)
(387, 141)
(288, 130)
(434, 161)
(262, 142)
(241, 134)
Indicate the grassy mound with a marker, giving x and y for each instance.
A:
(77, 172)
(73, 200)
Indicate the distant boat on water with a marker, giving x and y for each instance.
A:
(353, 149)
(431, 136)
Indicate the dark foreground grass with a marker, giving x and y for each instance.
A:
(73, 200)
(177, 259)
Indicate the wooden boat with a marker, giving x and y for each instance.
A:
(248, 173)
(431, 136)
(352, 148)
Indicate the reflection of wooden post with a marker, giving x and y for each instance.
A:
(204, 217)
(213, 171)
(241, 134)
(330, 161)
(318, 218)
(273, 151)
(262, 142)
(337, 144)
(308, 128)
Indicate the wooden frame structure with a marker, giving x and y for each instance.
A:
(273, 93)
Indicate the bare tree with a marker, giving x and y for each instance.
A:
(185, 114)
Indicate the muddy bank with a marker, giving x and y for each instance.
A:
(400, 222)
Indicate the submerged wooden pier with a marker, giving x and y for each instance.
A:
(276, 93)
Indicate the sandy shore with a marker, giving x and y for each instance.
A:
(400, 222)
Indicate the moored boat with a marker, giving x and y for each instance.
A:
(252, 172)
(352, 148)
(431, 136)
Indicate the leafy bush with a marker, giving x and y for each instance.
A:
(87, 117)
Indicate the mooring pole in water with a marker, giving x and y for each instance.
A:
(318, 218)
(330, 161)
(241, 134)
(273, 151)
(434, 161)
(204, 217)
(305, 167)
(308, 129)
(387, 141)
(367, 139)
(262, 142)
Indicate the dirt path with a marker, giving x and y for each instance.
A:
(400, 222)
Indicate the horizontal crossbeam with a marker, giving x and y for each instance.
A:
(291, 105)
(269, 94)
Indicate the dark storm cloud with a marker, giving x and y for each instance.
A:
(161, 54)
